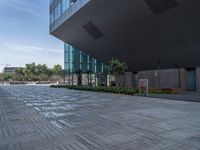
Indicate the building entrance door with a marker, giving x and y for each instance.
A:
(191, 79)
(79, 79)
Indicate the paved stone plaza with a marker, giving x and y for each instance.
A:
(41, 118)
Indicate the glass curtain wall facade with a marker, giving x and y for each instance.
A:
(80, 68)
(78, 63)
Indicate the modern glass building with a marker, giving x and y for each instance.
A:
(77, 64)
(147, 35)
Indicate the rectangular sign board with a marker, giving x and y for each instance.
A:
(144, 84)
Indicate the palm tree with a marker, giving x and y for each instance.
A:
(117, 68)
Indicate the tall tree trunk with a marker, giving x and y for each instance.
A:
(117, 80)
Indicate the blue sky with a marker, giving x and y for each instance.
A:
(24, 34)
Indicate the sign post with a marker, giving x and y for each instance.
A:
(144, 84)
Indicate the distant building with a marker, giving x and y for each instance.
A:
(9, 70)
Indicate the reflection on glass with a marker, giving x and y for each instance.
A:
(59, 9)
(76, 61)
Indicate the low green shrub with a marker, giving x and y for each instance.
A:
(119, 90)
(116, 90)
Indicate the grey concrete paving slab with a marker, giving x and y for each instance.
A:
(43, 118)
(184, 96)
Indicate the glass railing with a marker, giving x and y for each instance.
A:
(59, 9)
(67, 7)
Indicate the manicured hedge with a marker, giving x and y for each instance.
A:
(117, 90)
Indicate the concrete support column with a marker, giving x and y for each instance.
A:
(122, 80)
(136, 80)
(198, 79)
(129, 79)
(183, 78)
(126, 80)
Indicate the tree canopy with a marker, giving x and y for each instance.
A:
(57, 69)
(117, 68)
(33, 72)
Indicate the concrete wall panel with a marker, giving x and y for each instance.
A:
(198, 79)
(168, 78)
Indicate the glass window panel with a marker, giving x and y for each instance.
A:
(98, 67)
(57, 11)
(84, 63)
(75, 61)
(52, 17)
(65, 5)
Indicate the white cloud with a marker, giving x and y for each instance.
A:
(5, 20)
(29, 48)
(19, 5)
(21, 47)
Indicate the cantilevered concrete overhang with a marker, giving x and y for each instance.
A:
(143, 33)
